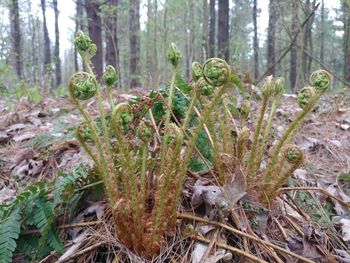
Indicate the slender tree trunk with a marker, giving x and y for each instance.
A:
(271, 37)
(112, 47)
(212, 26)
(346, 40)
(58, 78)
(134, 28)
(205, 30)
(78, 26)
(16, 37)
(223, 29)
(187, 45)
(95, 33)
(294, 51)
(255, 41)
(322, 33)
(47, 50)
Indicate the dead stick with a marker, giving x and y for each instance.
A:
(74, 225)
(311, 188)
(238, 232)
(232, 249)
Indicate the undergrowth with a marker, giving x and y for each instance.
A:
(36, 209)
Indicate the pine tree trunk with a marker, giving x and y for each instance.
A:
(212, 26)
(47, 49)
(346, 40)
(78, 26)
(322, 33)
(134, 28)
(255, 41)
(294, 51)
(57, 59)
(271, 37)
(205, 25)
(95, 33)
(16, 37)
(223, 29)
(112, 47)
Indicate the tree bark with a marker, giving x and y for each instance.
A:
(271, 37)
(134, 28)
(255, 41)
(16, 37)
(95, 33)
(322, 33)
(58, 78)
(205, 49)
(78, 26)
(47, 48)
(212, 26)
(223, 29)
(294, 52)
(346, 40)
(112, 45)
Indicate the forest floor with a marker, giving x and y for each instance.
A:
(37, 142)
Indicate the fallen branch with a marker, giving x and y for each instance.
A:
(232, 249)
(311, 188)
(238, 232)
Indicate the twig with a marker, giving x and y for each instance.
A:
(213, 240)
(238, 232)
(84, 251)
(232, 249)
(312, 188)
(74, 225)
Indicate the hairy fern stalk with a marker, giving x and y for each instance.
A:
(143, 185)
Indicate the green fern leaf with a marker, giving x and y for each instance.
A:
(54, 241)
(9, 233)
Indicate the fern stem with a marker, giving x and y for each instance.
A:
(251, 162)
(267, 131)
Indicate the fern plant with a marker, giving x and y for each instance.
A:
(143, 186)
(33, 209)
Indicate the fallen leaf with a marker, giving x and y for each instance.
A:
(345, 227)
(24, 136)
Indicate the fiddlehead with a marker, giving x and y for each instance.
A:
(86, 48)
(82, 86)
(121, 118)
(174, 55)
(216, 71)
(321, 80)
(109, 76)
(305, 96)
(290, 159)
(197, 71)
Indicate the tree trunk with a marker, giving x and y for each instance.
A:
(271, 37)
(47, 48)
(322, 33)
(255, 41)
(16, 37)
(78, 26)
(57, 60)
(346, 40)
(212, 26)
(95, 33)
(112, 46)
(294, 51)
(223, 29)
(134, 27)
(205, 30)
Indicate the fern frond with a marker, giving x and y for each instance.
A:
(9, 233)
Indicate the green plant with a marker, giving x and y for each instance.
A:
(33, 209)
(144, 187)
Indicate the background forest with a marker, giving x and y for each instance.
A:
(134, 35)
